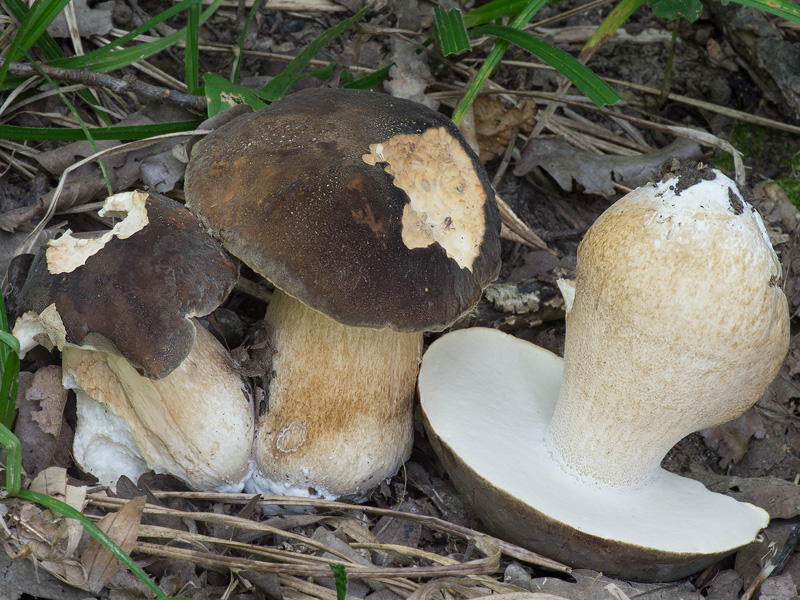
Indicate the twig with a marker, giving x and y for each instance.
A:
(507, 548)
(127, 84)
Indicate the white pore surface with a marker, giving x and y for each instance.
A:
(489, 396)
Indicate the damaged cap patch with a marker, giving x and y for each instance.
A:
(446, 197)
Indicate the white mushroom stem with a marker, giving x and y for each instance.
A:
(196, 423)
(678, 324)
(339, 415)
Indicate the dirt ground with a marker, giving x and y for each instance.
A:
(735, 75)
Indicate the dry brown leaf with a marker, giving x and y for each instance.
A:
(730, 440)
(598, 174)
(725, 585)
(162, 171)
(52, 481)
(58, 159)
(402, 532)
(123, 528)
(51, 396)
(69, 571)
(779, 587)
(590, 585)
(781, 499)
(409, 76)
(494, 120)
(41, 449)
(91, 21)
(22, 577)
(266, 583)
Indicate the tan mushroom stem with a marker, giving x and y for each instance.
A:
(339, 416)
(677, 325)
(196, 423)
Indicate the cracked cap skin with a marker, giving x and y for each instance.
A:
(138, 293)
(370, 209)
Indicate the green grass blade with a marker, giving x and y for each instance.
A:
(781, 8)
(128, 132)
(192, 51)
(66, 510)
(450, 31)
(9, 385)
(9, 340)
(493, 10)
(674, 9)
(9, 370)
(31, 29)
(78, 118)
(597, 90)
(20, 11)
(104, 62)
(367, 81)
(612, 22)
(223, 94)
(243, 38)
(82, 62)
(340, 579)
(51, 49)
(494, 58)
(13, 460)
(279, 85)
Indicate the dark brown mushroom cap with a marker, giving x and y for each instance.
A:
(301, 192)
(138, 293)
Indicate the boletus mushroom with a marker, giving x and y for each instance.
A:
(375, 221)
(155, 390)
(678, 323)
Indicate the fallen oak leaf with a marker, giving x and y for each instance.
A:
(780, 498)
(599, 174)
(731, 440)
(122, 527)
(51, 396)
(494, 120)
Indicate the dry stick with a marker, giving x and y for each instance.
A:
(702, 104)
(481, 566)
(543, 119)
(508, 548)
(127, 84)
(685, 132)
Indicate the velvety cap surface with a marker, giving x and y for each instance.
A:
(139, 287)
(370, 209)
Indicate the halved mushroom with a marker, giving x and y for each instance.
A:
(677, 324)
(122, 302)
(375, 221)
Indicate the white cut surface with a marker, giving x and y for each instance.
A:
(67, 253)
(446, 196)
(103, 444)
(490, 396)
(195, 424)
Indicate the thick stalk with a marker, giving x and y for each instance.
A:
(339, 416)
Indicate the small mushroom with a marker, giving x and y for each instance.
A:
(155, 390)
(677, 323)
(375, 222)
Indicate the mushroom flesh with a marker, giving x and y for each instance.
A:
(677, 323)
(375, 221)
(155, 390)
